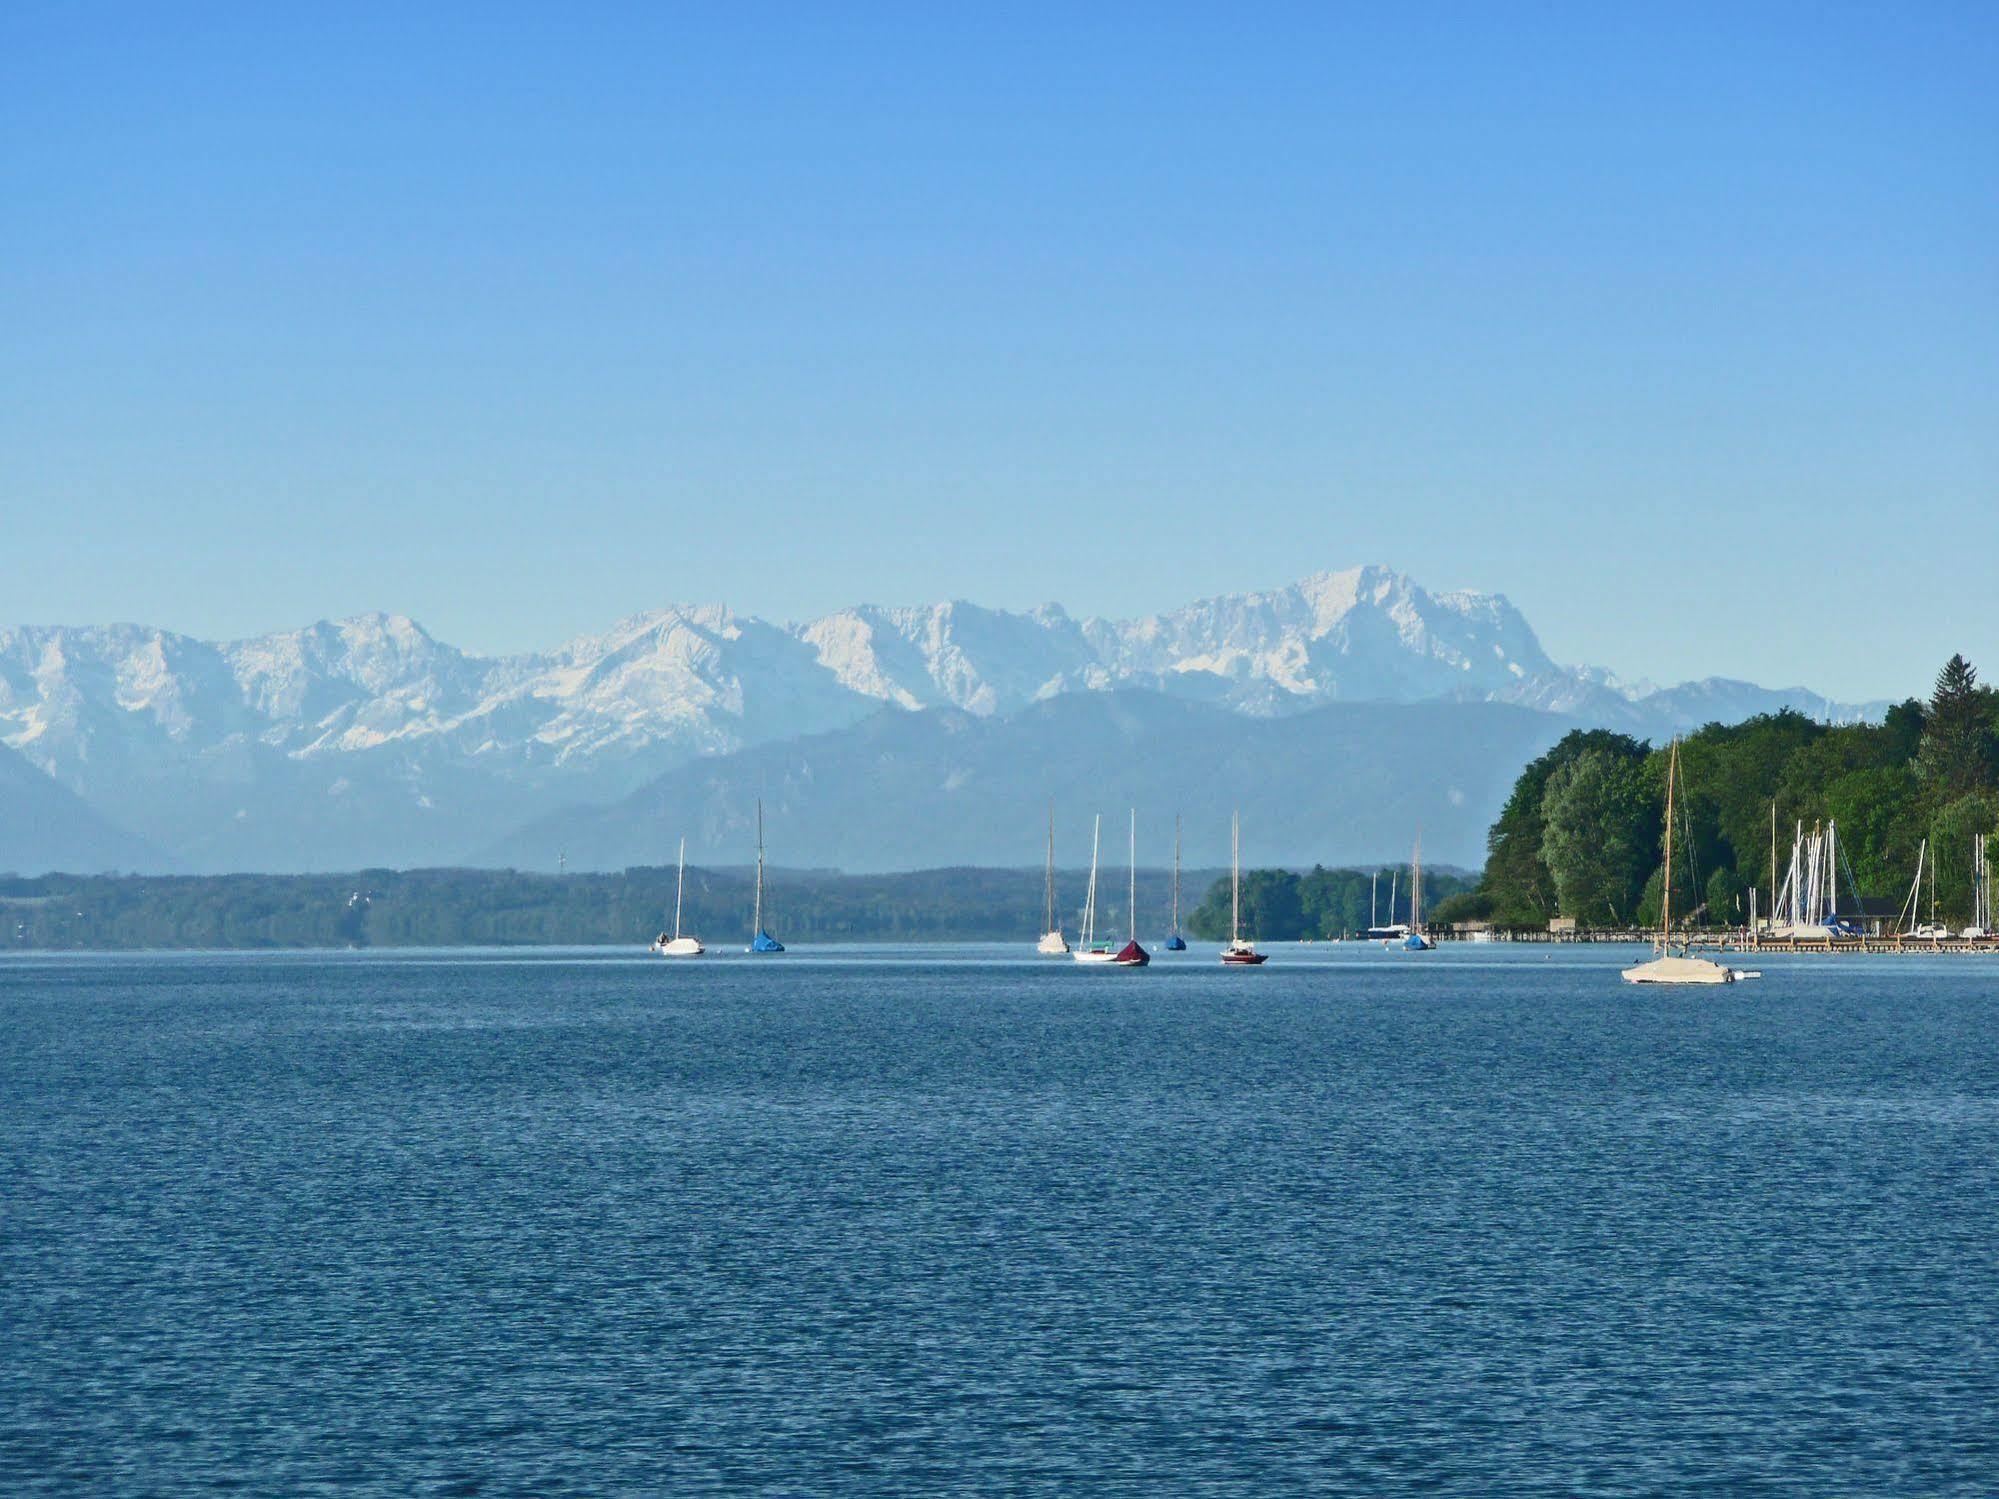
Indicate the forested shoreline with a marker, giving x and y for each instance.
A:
(1581, 835)
(479, 907)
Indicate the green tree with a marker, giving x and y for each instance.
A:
(1466, 905)
(1951, 833)
(1602, 831)
(1518, 885)
(1727, 899)
(1879, 812)
(1271, 909)
(1957, 753)
(1903, 725)
(1733, 774)
(1334, 901)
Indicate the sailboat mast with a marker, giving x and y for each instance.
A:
(1090, 901)
(1913, 906)
(679, 884)
(1235, 876)
(758, 921)
(1131, 897)
(1050, 900)
(1176, 873)
(1416, 884)
(1773, 856)
(1666, 883)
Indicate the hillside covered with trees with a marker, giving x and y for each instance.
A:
(1582, 832)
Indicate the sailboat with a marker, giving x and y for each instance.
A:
(1981, 891)
(1391, 932)
(677, 946)
(1238, 954)
(763, 941)
(1666, 968)
(1088, 949)
(1131, 955)
(1414, 940)
(1176, 943)
(1910, 922)
(1052, 944)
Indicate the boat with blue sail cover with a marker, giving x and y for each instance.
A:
(1413, 940)
(1175, 942)
(763, 941)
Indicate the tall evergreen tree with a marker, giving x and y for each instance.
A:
(1957, 753)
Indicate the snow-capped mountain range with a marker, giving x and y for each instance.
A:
(368, 741)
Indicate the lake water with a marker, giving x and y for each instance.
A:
(1481, 1221)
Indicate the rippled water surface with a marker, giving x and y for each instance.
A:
(1481, 1221)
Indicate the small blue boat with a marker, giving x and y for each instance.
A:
(763, 941)
(1175, 943)
(1415, 941)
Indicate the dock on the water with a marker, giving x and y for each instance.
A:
(1743, 941)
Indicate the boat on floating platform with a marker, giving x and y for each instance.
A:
(1682, 967)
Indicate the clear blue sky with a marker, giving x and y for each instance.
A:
(1679, 324)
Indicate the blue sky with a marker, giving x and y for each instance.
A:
(1677, 324)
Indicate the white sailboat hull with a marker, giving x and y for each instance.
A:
(1683, 971)
(679, 947)
(1094, 955)
(1052, 945)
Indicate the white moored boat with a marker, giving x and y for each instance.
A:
(677, 946)
(1238, 954)
(1682, 970)
(1669, 967)
(1088, 949)
(1052, 944)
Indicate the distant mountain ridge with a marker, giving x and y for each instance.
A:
(1338, 783)
(367, 740)
(44, 826)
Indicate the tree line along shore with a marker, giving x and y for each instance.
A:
(383, 908)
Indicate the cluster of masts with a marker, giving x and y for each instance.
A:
(1806, 907)
(1238, 952)
(1910, 923)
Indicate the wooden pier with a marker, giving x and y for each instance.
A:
(1745, 942)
